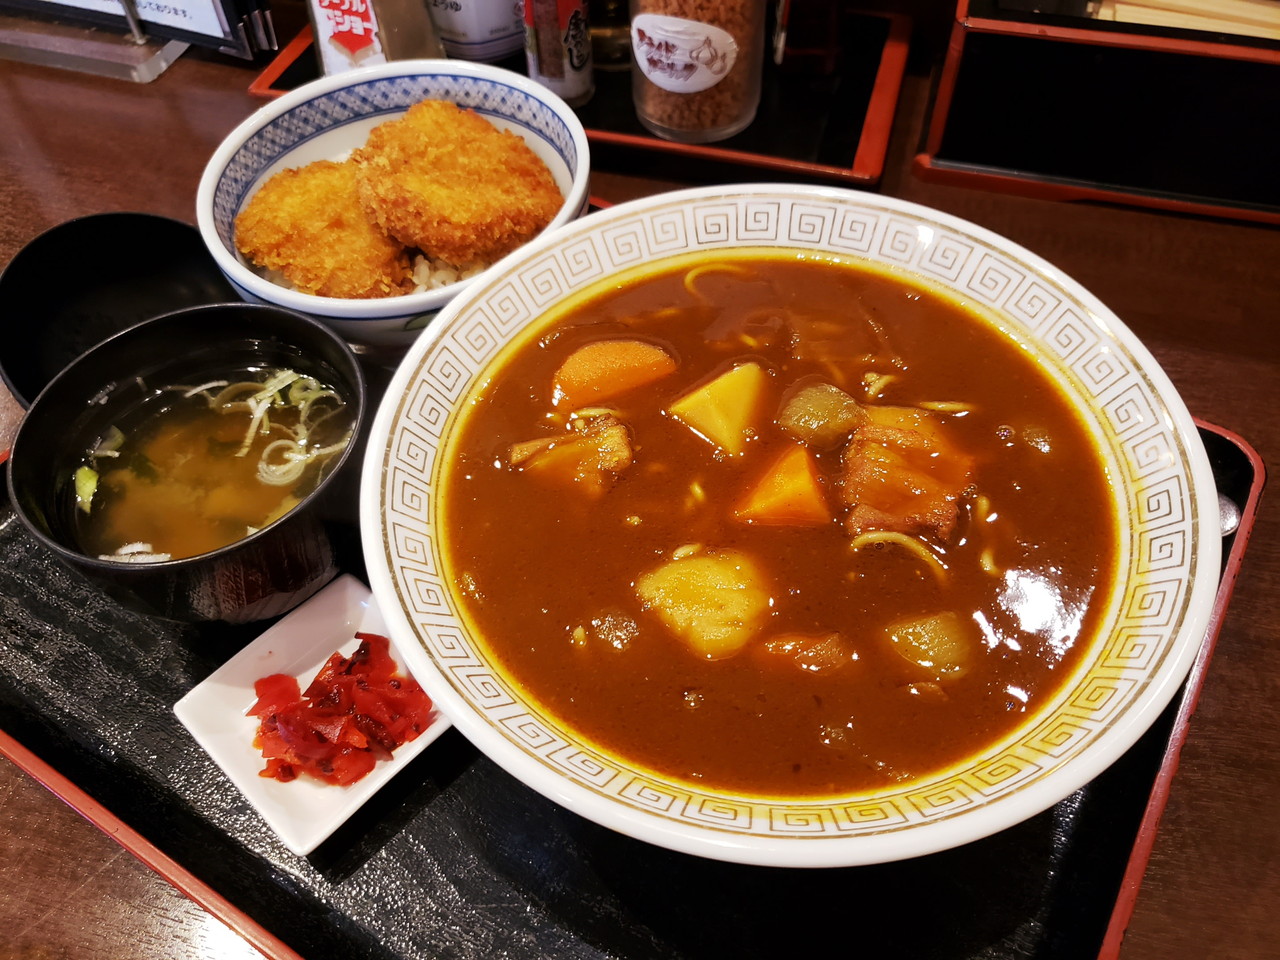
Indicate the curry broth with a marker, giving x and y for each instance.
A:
(548, 576)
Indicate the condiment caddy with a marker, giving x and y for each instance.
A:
(813, 123)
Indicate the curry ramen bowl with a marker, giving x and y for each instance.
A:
(790, 525)
(447, 184)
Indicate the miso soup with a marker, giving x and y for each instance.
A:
(197, 467)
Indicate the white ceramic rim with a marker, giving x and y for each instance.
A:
(410, 304)
(827, 851)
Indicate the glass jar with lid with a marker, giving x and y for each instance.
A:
(696, 66)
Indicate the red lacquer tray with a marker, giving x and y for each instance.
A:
(456, 858)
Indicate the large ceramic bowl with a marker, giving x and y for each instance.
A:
(328, 118)
(1168, 550)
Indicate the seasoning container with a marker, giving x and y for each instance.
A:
(610, 24)
(696, 66)
(485, 30)
(558, 48)
(351, 35)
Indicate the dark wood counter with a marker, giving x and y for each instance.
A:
(1203, 294)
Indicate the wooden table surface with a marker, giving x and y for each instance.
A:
(1203, 294)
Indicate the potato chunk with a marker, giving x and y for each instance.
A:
(714, 601)
(726, 410)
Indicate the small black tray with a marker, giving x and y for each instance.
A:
(1026, 95)
(815, 121)
(455, 858)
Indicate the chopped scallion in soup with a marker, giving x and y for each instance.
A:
(195, 468)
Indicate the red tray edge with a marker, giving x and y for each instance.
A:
(1140, 856)
(1125, 33)
(261, 86)
(275, 949)
(927, 169)
(144, 850)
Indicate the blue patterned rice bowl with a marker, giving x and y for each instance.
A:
(326, 119)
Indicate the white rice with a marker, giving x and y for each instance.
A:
(428, 273)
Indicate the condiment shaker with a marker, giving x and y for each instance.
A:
(610, 23)
(696, 66)
(558, 48)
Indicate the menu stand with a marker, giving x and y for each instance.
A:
(98, 51)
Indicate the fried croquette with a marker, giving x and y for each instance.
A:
(309, 224)
(445, 180)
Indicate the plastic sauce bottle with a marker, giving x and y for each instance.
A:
(349, 35)
(485, 30)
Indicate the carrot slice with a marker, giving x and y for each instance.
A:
(789, 493)
(608, 368)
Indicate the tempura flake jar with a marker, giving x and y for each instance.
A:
(696, 66)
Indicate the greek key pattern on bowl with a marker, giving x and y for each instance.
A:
(1094, 366)
(585, 766)
(849, 817)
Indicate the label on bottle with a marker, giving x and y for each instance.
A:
(478, 29)
(558, 48)
(346, 34)
(682, 56)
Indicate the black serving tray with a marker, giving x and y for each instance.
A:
(455, 858)
(815, 121)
